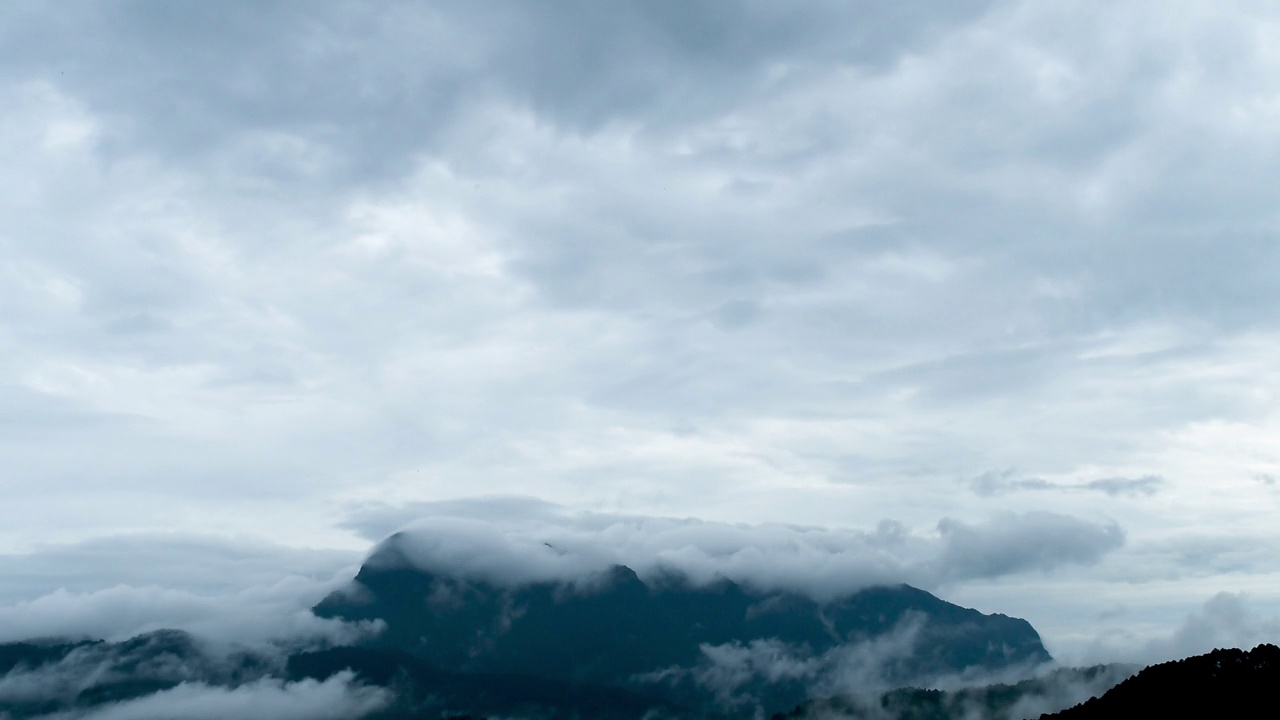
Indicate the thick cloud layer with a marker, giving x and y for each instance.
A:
(745, 261)
(515, 542)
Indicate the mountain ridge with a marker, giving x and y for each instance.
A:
(720, 644)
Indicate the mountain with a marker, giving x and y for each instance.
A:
(1221, 684)
(722, 645)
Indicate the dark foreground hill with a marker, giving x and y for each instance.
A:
(722, 647)
(1222, 684)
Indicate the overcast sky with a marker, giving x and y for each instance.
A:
(276, 277)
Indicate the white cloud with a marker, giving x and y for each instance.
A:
(511, 542)
(262, 616)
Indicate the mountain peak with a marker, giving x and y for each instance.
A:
(686, 642)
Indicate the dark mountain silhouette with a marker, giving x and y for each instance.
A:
(660, 639)
(1222, 684)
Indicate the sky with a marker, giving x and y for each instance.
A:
(993, 278)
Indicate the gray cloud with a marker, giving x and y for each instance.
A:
(1145, 485)
(366, 91)
(1018, 543)
(992, 483)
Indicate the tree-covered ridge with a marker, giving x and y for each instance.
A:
(1228, 683)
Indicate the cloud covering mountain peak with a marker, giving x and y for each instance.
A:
(514, 542)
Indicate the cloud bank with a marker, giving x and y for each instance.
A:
(515, 542)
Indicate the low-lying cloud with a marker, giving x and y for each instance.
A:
(172, 674)
(852, 680)
(278, 614)
(512, 542)
(337, 698)
(735, 671)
